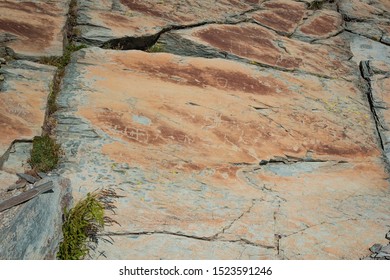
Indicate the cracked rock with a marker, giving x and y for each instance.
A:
(34, 28)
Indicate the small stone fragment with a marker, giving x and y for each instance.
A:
(386, 249)
(42, 175)
(17, 186)
(382, 255)
(27, 177)
(387, 236)
(376, 248)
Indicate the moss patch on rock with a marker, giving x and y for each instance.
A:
(44, 154)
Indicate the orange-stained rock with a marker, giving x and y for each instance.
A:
(212, 154)
(33, 28)
(23, 97)
(132, 21)
(282, 15)
(259, 45)
(377, 74)
(322, 24)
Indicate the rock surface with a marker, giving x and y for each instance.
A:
(33, 230)
(134, 24)
(232, 129)
(33, 29)
(259, 45)
(23, 98)
(182, 139)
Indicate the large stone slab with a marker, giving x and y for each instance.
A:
(366, 49)
(135, 24)
(212, 154)
(33, 230)
(322, 24)
(33, 28)
(364, 10)
(283, 16)
(259, 45)
(370, 19)
(23, 98)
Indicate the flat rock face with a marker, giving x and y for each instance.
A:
(225, 155)
(23, 97)
(282, 16)
(33, 230)
(33, 28)
(100, 21)
(259, 45)
(231, 129)
(320, 25)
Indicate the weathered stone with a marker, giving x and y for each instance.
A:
(379, 78)
(166, 246)
(33, 230)
(361, 10)
(23, 97)
(135, 24)
(27, 177)
(282, 16)
(6, 180)
(386, 249)
(367, 49)
(322, 24)
(366, 29)
(258, 45)
(17, 159)
(182, 138)
(383, 255)
(33, 28)
(376, 248)
(17, 186)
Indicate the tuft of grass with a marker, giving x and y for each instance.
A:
(317, 5)
(158, 47)
(44, 154)
(61, 62)
(83, 222)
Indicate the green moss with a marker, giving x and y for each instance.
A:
(82, 224)
(44, 154)
(61, 62)
(316, 5)
(158, 47)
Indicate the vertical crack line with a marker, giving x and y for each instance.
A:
(365, 72)
(277, 236)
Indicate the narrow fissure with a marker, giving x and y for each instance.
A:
(364, 68)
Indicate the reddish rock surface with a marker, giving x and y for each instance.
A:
(282, 16)
(259, 45)
(182, 139)
(105, 21)
(231, 129)
(33, 28)
(320, 25)
(23, 97)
